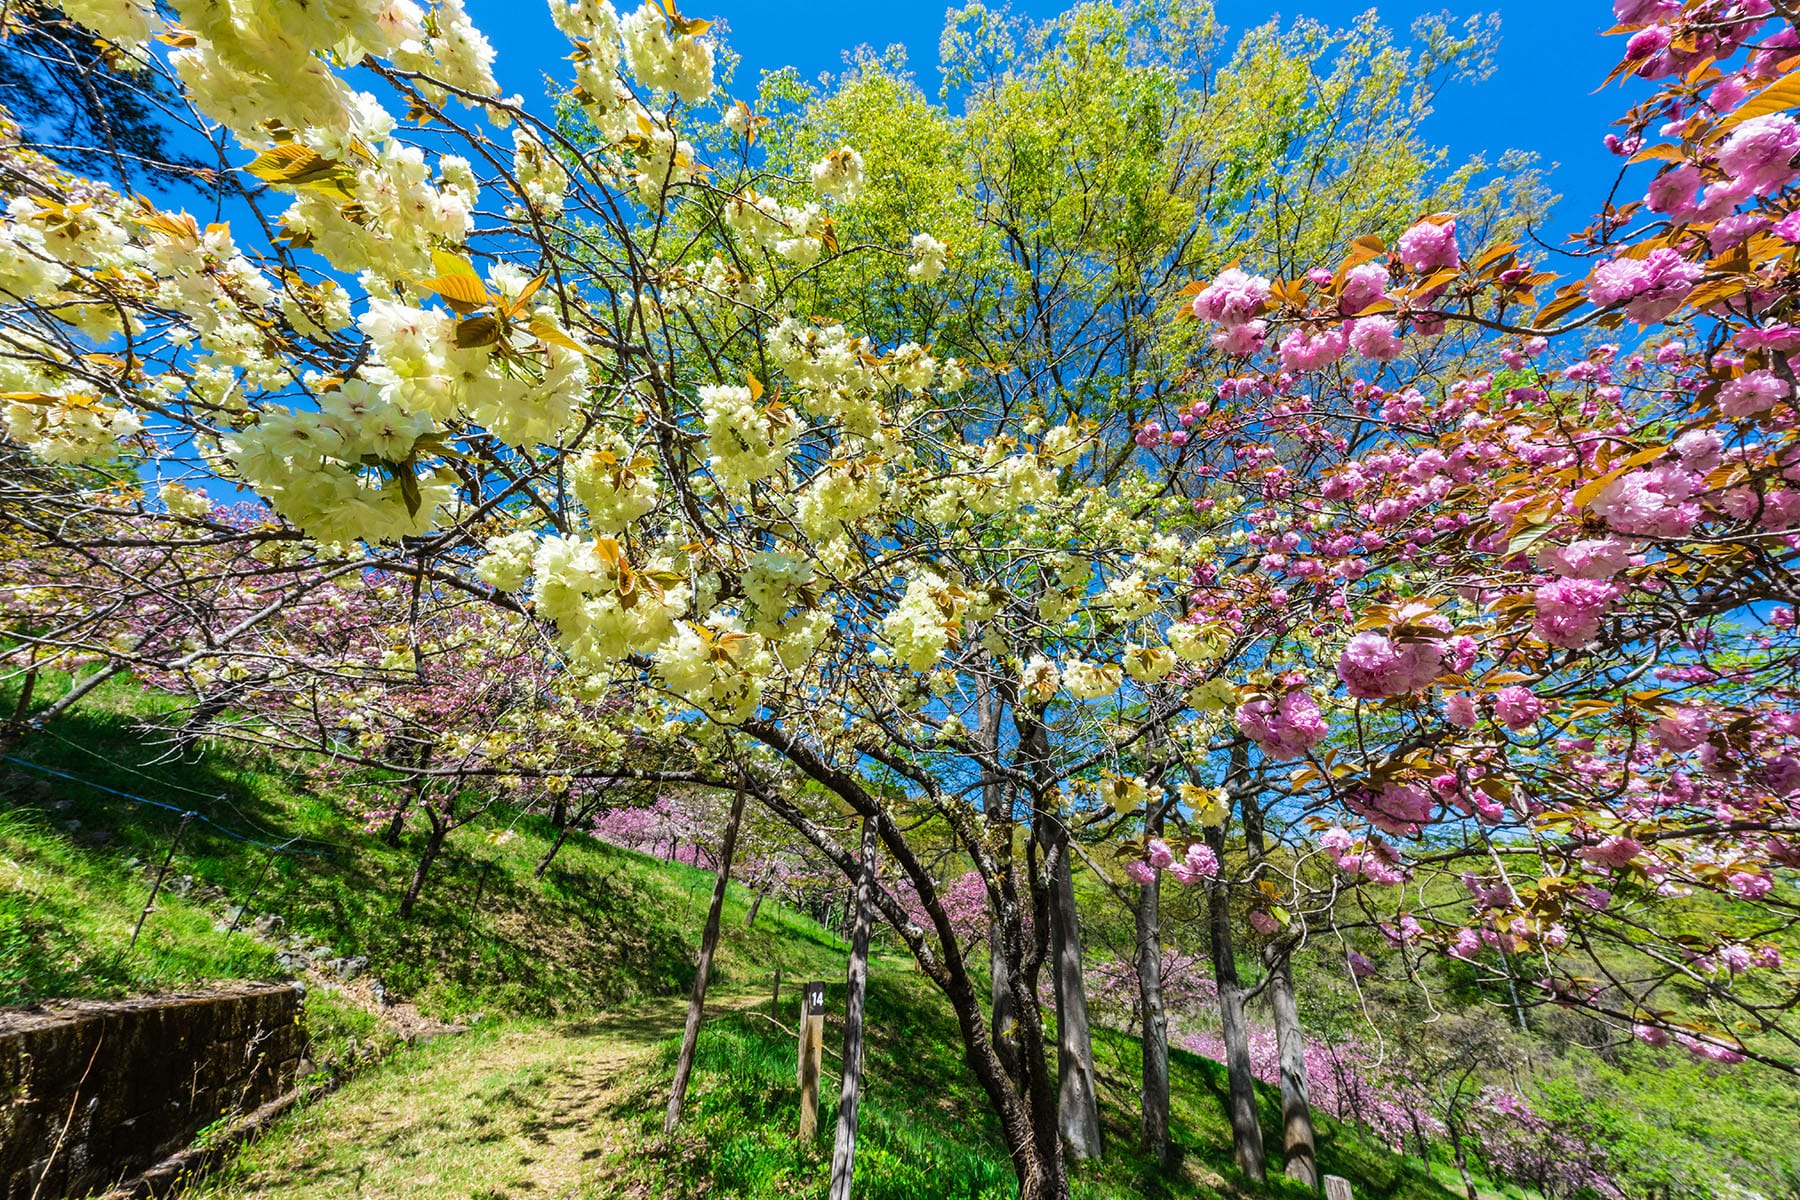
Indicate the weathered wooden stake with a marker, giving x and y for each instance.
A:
(812, 1052)
(1337, 1188)
(856, 987)
(150, 904)
(775, 1000)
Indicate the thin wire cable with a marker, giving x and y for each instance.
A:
(142, 774)
(285, 848)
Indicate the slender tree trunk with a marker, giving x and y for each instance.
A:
(411, 796)
(1462, 1162)
(756, 903)
(856, 986)
(1299, 1147)
(1042, 1091)
(709, 940)
(1155, 1024)
(1419, 1135)
(562, 835)
(1077, 1105)
(440, 828)
(14, 730)
(1151, 1013)
(999, 826)
(198, 719)
(1298, 1142)
(1246, 1130)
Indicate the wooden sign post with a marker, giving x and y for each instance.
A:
(1337, 1188)
(812, 1049)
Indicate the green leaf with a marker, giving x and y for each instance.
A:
(477, 331)
(409, 490)
(458, 289)
(1528, 537)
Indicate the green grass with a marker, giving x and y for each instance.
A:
(66, 915)
(574, 1109)
(508, 1109)
(601, 927)
(924, 1128)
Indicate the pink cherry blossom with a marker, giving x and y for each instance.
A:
(1681, 730)
(1428, 247)
(1569, 611)
(1302, 351)
(1613, 853)
(1591, 558)
(1753, 394)
(1374, 337)
(1373, 666)
(1757, 153)
(1651, 287)
(1197, 864)
(1364, 284)
(1232, 298)
(1518, 707)
(1286, 729)
(1673, 192)
(1244, 338)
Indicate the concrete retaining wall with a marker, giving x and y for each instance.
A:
(95, 1092)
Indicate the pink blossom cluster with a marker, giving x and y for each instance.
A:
(1569, 611)
(1197, 863)
(1429, 246)
(1233, 301)
(1285, 729)
(1650, 288)
(1373, 666)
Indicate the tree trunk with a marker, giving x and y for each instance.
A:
(998, 817)
(1246, 1131)
(856, 985)
(709, 940)
(411, 796)
(198, 719)
(14, 730)
(440, 828)
(1077, 1106)
(1299, 1149)
(1419, 1135)
(1298, 1142)
(1462, 1167)
(1154, 1019)
(756, 902)
(562, 835)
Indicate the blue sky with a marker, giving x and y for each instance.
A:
(1541, 97)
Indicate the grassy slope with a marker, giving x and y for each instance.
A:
(603, 925)
(924, 1128)
(574, 1109)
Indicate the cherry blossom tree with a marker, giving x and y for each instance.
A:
(1547, 607)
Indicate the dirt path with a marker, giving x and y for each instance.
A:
(511, 1112)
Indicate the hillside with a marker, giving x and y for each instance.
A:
(602, 925)
(574, 984)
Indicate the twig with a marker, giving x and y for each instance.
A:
(70, 1119)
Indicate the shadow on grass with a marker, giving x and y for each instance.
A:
(603, 925)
